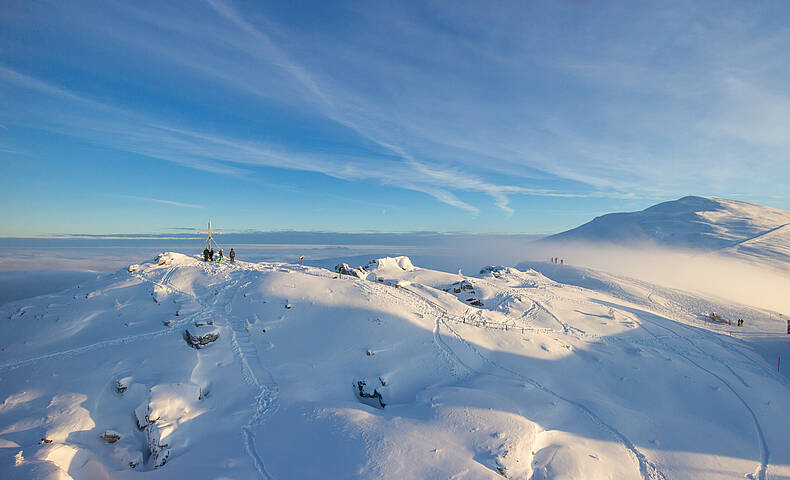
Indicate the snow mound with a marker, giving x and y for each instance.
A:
(527, 277)
(389, 270)
(168, 407)
(173, 258)
(390, 263)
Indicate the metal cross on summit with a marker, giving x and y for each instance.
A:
(209, 233)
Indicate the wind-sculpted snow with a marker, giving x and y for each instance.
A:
(533, 373)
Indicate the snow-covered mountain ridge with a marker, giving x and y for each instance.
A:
(739, 228)
(179, 368)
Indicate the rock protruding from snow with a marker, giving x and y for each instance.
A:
(122, 384)
(374, 398)
(169, 406)
(128, 456)
(463, 285)
(465, 291)
(110, 436)
(344, 269)
(200, 335)
(498, 271)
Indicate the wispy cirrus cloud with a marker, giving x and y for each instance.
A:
(163, 202)
(139, 133)
(428, 99)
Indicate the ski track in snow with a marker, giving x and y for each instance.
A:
(267, 397)
(716, 336)
(448, 352)
(116, 341)
(95, 346)
(266, 400)
(647, 469)
(567, 329)
(758, 363)
(760, 471)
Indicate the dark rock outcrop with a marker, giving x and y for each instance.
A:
(199, 337)
(373, 399)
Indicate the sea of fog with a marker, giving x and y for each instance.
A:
(37, 266)
(30, 267)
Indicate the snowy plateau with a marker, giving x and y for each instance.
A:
(179, 368)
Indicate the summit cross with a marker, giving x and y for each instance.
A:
(209, 233)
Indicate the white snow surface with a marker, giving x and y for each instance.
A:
(508, 373)
(715, 224)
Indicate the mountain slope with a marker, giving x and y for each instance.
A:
(714, 224)
(505, 374)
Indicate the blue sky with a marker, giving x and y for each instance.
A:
(503, 117)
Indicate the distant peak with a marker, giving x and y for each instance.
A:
(696, 199)
(696, 222)
(687, 203)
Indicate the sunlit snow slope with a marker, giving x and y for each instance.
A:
(744, 229)
(504, 374)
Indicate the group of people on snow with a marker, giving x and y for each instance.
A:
(557, 260)
(718, 319)
(208, 255)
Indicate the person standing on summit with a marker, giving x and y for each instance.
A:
(232, 255)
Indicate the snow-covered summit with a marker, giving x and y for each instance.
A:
(694, 222)
(179, 368)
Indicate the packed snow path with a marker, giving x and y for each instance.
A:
(221, 305)
(267, 397)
